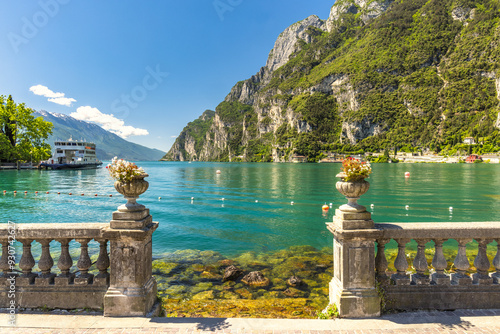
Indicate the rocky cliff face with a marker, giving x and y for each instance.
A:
(286, 44)
(366, 9)
(374, 74)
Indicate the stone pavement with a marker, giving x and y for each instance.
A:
(460, 321)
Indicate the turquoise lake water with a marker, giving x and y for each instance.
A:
(256, 214)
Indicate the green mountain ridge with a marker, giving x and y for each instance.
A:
(108, 145)
(377, 75)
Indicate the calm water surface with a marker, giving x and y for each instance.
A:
(256, 213)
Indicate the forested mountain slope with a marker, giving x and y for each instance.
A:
(407, 74)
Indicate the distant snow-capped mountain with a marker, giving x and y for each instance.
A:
(108, 145)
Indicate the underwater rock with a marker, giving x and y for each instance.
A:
(229, 295)
(294, 293)
(202, 287)
(210, 275)
(244, 293)
(163, 268)
(311, 283)
(294, 281)
(175, 291)
(232, 273)
(255, 278)
(225, 263)
(205, 295)
(210, 257)
(198, 267)
(273, 295)
(228, 285)
(278, 284)
(321, 267)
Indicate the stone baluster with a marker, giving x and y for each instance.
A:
(64, 263)
(26, 264)
(482, 264)
(401, 264)
(102, 263)
(45, 264)
(4, 260)
(381, 261)
(439, 263)
(84, 263)
(496, 264)
(420, 264)
(462, 264)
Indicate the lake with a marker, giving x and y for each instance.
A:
(256, 213)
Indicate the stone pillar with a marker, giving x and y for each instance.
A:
(132, 290)
(353, 287)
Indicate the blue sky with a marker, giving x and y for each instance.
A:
(153, 65)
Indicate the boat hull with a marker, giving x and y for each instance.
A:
(70, 166)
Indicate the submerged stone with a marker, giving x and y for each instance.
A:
(163, 268)
(205, 295)
(294, 293)
(232, 273)
(202, 287)
(244, 293)
(229, 295)
(255, 278)
(294, 281)
(210, 275)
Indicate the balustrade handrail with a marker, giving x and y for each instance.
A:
(459, 230)
(54, 230)
(466, 230)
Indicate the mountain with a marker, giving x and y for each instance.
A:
(377, 75)
(108, 145)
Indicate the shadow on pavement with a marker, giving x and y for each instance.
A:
(448, 320)
(203, 324)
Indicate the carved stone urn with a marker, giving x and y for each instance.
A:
(352, 190)
(131, 191)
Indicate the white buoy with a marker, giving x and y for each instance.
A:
(291, 203)
(407, 207)
(450, 208)
(159, 197)
(192, 198)
(222, 199)
(256, 201)
(218, 171)
(372, 206)
(331, 204)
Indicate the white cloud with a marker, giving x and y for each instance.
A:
(64, 101)
(107, 122)
(52, 96)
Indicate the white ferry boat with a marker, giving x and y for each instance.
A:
(72, 154)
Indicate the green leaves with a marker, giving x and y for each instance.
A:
(22, 136)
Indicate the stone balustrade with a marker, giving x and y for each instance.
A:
(483, 233)
(128, 289)
(424, 282)
(435, 282)
(74, 286)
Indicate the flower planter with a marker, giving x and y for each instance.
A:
(352, 190)
(131, 191)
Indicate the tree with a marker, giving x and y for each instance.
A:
(22, 136)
